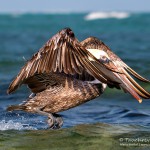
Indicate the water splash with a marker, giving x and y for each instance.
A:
(106, 15)
(11, 125)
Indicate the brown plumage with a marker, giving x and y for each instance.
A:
(65, 73)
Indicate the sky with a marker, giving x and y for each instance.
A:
(15, 6)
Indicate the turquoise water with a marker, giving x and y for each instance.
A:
(21, 35)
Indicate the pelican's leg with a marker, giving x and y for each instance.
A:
(54, 120)
(51, 119)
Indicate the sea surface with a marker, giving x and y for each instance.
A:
(103, 123)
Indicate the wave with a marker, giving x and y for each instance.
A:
(106, 15)
(10, 125)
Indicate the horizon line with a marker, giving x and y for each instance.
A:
(67, 12)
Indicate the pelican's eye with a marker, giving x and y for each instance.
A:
(104, 59)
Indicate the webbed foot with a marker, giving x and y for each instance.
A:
(55, 122)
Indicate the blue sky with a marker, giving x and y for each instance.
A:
(73, 5)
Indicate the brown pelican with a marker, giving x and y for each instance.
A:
(65, 73)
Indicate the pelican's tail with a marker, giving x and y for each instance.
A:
(16, 107)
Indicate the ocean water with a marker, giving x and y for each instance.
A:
(102, 121)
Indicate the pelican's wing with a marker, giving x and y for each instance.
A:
(118, 70)
(62, 53)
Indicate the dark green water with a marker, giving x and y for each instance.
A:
(98, 124)
(81, 137)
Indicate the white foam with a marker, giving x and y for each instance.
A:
(105, 15)
(10, 125)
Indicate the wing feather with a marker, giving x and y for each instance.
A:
(60, 53)
(116, 70)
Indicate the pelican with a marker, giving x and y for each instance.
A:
(66, 73)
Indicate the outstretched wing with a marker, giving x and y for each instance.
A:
(118, 70)
(62, 53)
